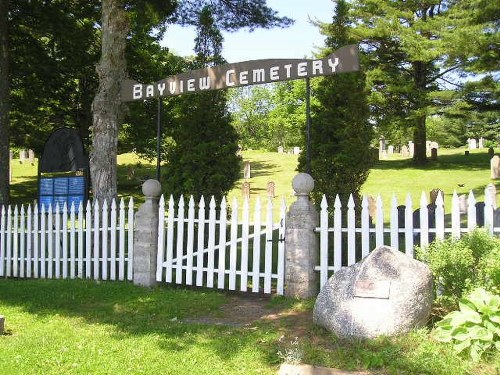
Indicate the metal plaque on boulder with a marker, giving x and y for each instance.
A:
(372, 289)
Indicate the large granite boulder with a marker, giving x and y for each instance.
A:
(387, 293)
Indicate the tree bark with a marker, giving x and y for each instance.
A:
(419, 130)
(4, 102)
(107, 106)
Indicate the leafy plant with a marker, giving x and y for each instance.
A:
(460, 265)
(475, 328)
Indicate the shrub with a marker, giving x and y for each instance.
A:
(475, 328)
(460, 265)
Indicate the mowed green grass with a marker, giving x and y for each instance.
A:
(56, 327)
(453, 171)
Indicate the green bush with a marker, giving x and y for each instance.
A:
(475, 328)
(461, 265)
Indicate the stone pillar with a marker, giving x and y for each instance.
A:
(146, 235)
(301, 243)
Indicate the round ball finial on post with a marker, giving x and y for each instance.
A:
(303, 184)
(151, 189)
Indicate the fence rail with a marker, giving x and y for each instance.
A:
(218, 249)
(57, 242)
(344, 244)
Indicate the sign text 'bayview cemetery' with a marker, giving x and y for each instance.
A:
(245, 73)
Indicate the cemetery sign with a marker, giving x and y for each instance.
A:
(345, 59)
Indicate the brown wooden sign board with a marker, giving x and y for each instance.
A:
(345, 59)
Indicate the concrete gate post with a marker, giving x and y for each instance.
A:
(146, 236)
(301, 243)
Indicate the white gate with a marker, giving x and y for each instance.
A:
(223, 248)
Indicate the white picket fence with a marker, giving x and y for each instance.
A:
(221, 249)
(344, 244)
(53, 242)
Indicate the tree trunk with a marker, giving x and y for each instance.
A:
(107, 107)
(419, 140)
(419, 130)
(4, 102)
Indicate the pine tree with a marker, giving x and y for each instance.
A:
(203, 160)
(340, 131)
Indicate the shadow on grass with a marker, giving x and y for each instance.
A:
(477, 161)
(133, 311)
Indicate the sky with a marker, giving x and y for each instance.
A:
(297, 41)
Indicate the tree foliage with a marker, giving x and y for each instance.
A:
(4, 103)
(203, 158)
(340, 132)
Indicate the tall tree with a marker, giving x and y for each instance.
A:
(416, 48)
(107, 109)
(203, 159)
(4, 102)
(340, 132)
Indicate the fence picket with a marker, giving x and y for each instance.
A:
(50, 243)
(455, 216)
(190, 242)
(365, 228)
(222, 244)
(29, 242)
(179, 253)
(351, 231)
(201, 242)
(112, 268)
(15, 244)
(3, 247)
(409, 226)
(57, 241)
(97, 242)
(337, 233)
(88, 241)
(323, 240)
(233, 246)
(22, 243)
(42, 243)
(471, 212)
(394, 223)
(268, 252)
(121, 240)
(80, 241)
(424, 221)
(256, 246)
(36, 243)
(439, 216)
(65, 241)
(72, 242)
(211, 243)
(488, 211)
(244, 246)
(379, 224)
(104, 240)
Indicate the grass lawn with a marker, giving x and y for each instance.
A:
(392, 176)
(83, 327)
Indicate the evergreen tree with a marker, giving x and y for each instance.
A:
(340, 131)
(4, 103)
(203, 159)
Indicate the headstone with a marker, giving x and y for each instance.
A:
(31, 156)
(383, 154)
(411, 147)
(246, 171)
(401, 216)
(491, 193)
(404, 151)
(382, 144)
(466, 153)
(2, 324)
(462, 203)
(480, 213)
(387, 293)
(433, 194)
(281, 150)
(491, 152)
(428, 146)
(495, 167)
(496, 217)
(390, 150)
(270, 189)
(434, 145)
(296, 150)
(372, 206)
(481, 143)
(434, 153)
(11, 156)
(22, 156)
(472, 144)
(245, 189)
